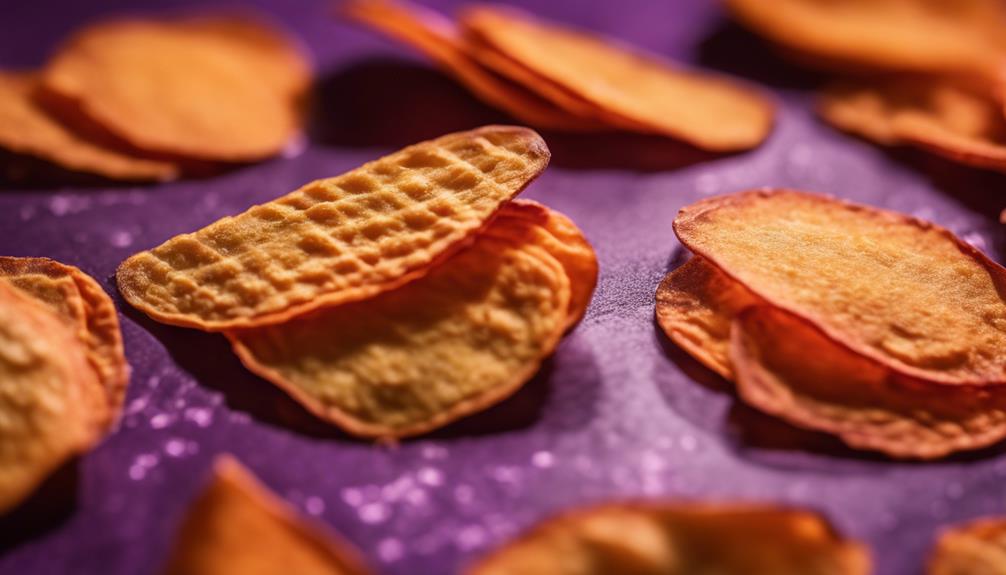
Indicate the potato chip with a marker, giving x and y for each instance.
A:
(900, 35)
(974, 548)
(708, 111)
(237, 526)
(85, 308)
(680, 538)
(173, 88)
(946, 117)
(25, 128)
(336, 240)
(402, 363)
(903, 292)
(51, 404)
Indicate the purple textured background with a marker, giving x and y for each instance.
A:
(618, 412)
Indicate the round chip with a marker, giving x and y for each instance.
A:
(974, 548)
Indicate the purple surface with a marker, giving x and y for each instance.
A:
(618, 412)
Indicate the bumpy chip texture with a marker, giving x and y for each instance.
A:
(336, 240)
(974, 548)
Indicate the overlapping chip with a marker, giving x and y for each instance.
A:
(237, 526)
(680, 539)
(974, 548)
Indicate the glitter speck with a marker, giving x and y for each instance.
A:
(314, 505)
(430, 476)
(543, 459)
(373, 513)
(121, 239)
(161, 420)
(390, 549)
(471, 537)
(175, 447)
(201, 416)
(352, 496)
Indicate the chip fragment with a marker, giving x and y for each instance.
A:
(237, 526)
(336, 240)
(679, 538)
(974, 548)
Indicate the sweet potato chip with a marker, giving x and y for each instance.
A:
(51, 404)
(680, 538)
(974, 548)
(946, 117)
(85, 308)
(336, 240)
(25, 128)
(173, 88)
(237, 526)
(906, 293)
(878, 35)
(708, 111)
(402, 363)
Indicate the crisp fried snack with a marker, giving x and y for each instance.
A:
(438, 39)
(173, 88)
(639, 92)
(26, 128)
(51, 404)
(81, 303)
(903, 292)
(462, 338)
(946, 117)
(337, 240)
(973, 548)
(679, 538)
(899, 35)
(237, 526)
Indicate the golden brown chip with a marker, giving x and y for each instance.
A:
(336, 240)
(237, 526)
(85, 308)
(906, 293)
(974, 548)
(462, 338)
(901, 35)
(963, 123)
(51, 404)
(25, 128)
(680, 539)
(708, 111)
(176, 89)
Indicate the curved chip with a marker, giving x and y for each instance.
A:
(708, 111)
(946, 117)
(974, 548)
(679, 539)
(906, 293)
(25, 128)
(899, 35)
(336, 240)
(237, 526)
(51, 404)
(174, 88)
(85, 308)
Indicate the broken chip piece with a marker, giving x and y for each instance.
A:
(337, 240)
(679, 538)
(237, 526)
(974, 548)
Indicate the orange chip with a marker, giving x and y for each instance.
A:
(26, 128)
(974, 548)
(639, 92)
(86, 308)
(236, 525)
(680, 538)
(946, 117)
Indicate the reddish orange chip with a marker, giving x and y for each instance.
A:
(974, 548)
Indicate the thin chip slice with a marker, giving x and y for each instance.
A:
(705, 110)
(78, 299)
(168, 89)
(237, 526)
(906, 293)
(408, 361)
(336, 240)
(879, 35)
(963, 123)
(680, 539)
(51, 404)
(25, 128)
(438, 39)
(974, 548)
(786, 367)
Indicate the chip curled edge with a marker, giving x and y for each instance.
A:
(237, 526)
(336, 240)
(464, 337)
(52, 407)
(977, 547)
(668, 538)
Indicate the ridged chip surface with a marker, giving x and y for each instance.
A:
(336, 240)
(974, 548)
(404, 362)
